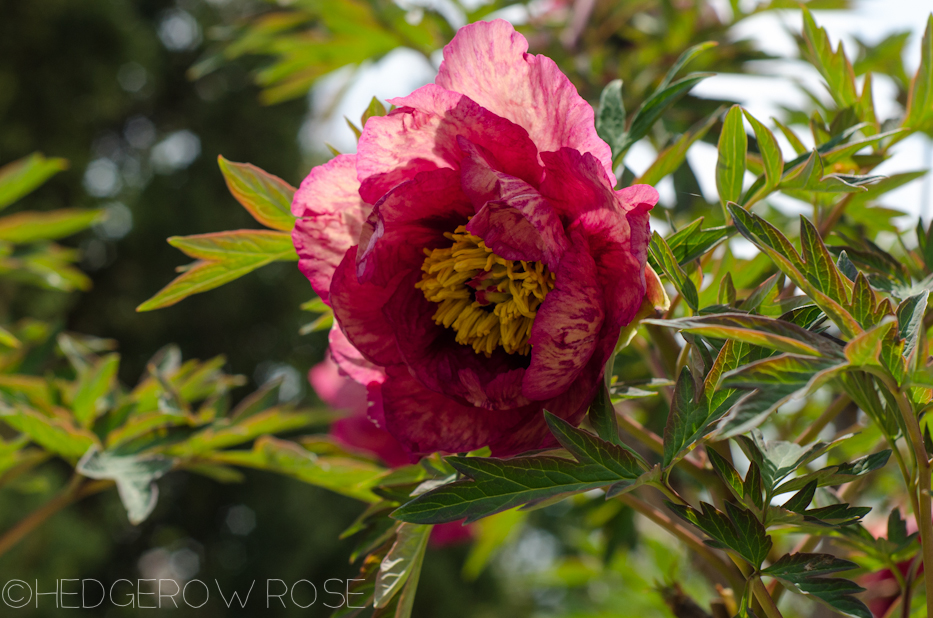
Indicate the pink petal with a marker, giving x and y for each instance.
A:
(512, 217)
(412, 217)
(358, 311)
(487, 61)
(421, 135)
(425, 421)
(351, 361)
(338, 391)
(567, 328)
(445, 366)
(361, 432)
(331, 215)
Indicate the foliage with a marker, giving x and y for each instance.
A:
(796, 376)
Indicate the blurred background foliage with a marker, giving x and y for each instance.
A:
(140, 96)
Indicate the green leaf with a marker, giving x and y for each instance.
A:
(21, 177)
(588, 449)
(833, 65)
(684, 59)
(688, 420)
(767, 238)
(27, 227)
(406, 553)
(651, 110)
(610, 117)
(777, 459)
(920, 101)
(738, 531)
(771, 157)
(865, 349)
(266, 197)
(910, 314)
(756, 330)
(225, 257)
(801, 566)
(134, 475)
(801, 500)
(838, 474)
(726, 472)
(350, 477)
(820, 269)
(804, 573)
(93, 385)
(375, 108)
(55, 435)
(8, 339)
(810, 176)
(501, 484)
(662, 255)
(690, 241)
(227, 432)
(730, 166)
(602, 416)
(237, 245)
(671, 158)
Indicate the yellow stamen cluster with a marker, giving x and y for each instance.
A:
(486, 299)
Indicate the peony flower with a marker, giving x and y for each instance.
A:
(479, 263)
(357, 431)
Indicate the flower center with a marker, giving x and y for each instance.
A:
(486, 299)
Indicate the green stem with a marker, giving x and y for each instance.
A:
(920, 492)
(834, 409)
(687, 537)
(75, 490)
(767, 603)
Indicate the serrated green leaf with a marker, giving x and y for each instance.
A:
(588, 449)
(730, 166)
(777, 459)
(767, 238)
(739, 531)
(802, 566)
(501, 484)
(266, 197)
(801, 500)
(28, 227)
(687, 421)
(22, 176)
(602, 417)
(837, 475)
(726, 472)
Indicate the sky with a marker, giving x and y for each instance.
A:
(347, 92)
